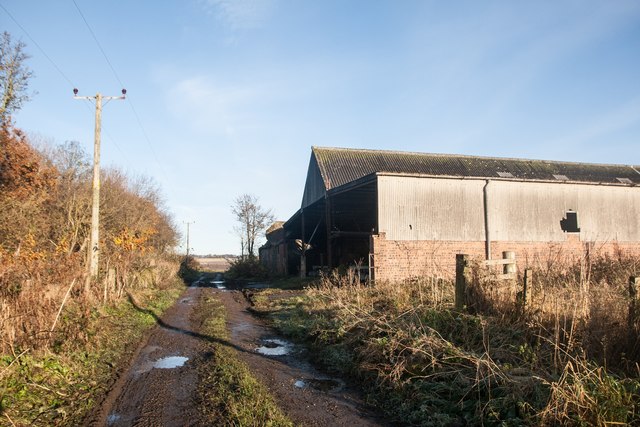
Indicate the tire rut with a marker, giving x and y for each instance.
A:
(146, 394)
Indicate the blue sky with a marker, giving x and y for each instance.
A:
(231, 94)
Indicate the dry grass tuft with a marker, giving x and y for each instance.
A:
(561, 361)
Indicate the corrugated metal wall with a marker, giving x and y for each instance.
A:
(527, 211)
(412, 208)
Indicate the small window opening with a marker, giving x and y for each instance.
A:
(569, 223)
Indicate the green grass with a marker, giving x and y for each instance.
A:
(229, 394)
(60, 386)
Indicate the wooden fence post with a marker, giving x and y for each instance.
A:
(462, 279)
(523, 298)
(634, 282)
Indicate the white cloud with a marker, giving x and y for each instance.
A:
(210, 107)
(240, 14)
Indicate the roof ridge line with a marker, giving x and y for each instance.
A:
(469, 156)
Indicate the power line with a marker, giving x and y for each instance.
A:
(59, 70)
(133, 109)
(146, 137)
(98, 43)
(111, 138)
(113, 141)
(64, 76)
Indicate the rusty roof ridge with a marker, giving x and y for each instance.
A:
(467, 156)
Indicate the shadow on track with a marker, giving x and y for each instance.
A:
(167, 326)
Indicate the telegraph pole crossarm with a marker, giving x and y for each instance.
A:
(94, 245)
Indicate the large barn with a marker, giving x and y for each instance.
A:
(404, 215)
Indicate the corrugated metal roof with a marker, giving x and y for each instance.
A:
(339, 166)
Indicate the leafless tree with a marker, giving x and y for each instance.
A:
(14, 76)
(252, 218)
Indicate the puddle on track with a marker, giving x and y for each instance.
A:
(256, 285)
(170, 362)
(275, 347)
(218, 284)
(325, 385)
(112, 419)
(280, 364)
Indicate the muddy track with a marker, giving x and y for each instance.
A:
(306, 395)
(159, 388)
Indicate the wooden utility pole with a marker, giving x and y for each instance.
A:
(94, 244)
(188, 224)
(95, 203)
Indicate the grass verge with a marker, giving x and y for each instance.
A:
(423, 363)
(229, 394)
(61, 385)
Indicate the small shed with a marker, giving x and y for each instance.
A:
(278, 254)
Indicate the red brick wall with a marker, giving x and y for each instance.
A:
(396, 260)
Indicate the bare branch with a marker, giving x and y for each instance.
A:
(14, 76)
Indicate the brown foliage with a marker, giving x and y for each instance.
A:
(22, 169)
(45, 213)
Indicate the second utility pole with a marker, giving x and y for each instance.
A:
(188, 224)
(94, 243)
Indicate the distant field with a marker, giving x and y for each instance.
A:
(214, 263)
